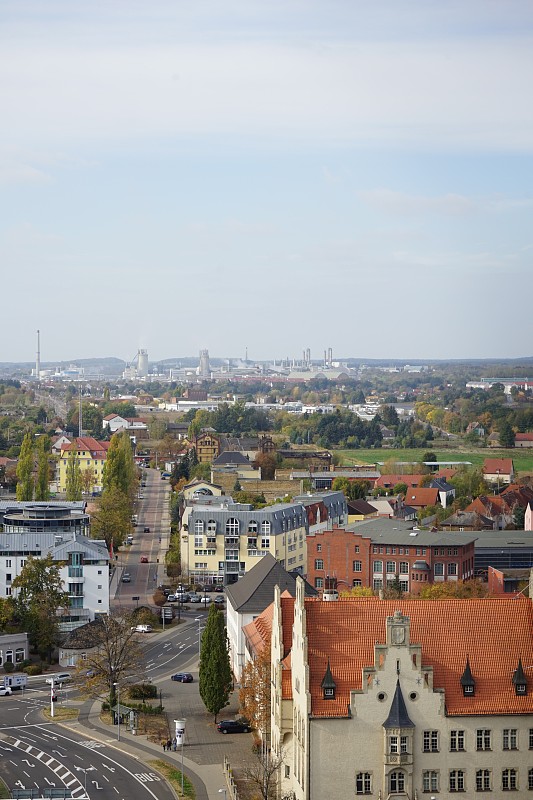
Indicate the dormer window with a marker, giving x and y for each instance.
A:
(328, 685)
(519, 680)
(467, 681)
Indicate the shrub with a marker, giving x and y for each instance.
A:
(9, 666)
(33, 669)
(142, 691)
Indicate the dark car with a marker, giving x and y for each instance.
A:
(219, 601)
(182, 677)
(144, 559)
(146, 529)
(232, 726)
(219, 588)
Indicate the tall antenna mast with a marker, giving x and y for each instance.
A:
(80, 421)
(38, 359)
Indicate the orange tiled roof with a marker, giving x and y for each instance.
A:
(493, 633)
(422, 497)
(447, 473)
(491, 466)
(392, 479)
(88, 444)
(489, 506)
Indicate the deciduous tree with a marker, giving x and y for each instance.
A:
(73, 484)
(112, 520)
(254, 694)
(25, 467)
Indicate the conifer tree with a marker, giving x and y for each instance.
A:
(25, 467)
(215, 670)
(73, 484)
(41, 486)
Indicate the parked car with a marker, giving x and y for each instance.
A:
(219, 601)
(146, 529)
(219, 588)
(194, 598)
(142, 628)
(182, 677)
(144, 559)
(126, 578)
(5, 690)
(61, 677)
(232, 726)
(206, 599)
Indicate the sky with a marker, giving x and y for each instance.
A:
(271, 175)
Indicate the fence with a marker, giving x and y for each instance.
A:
(230, 782)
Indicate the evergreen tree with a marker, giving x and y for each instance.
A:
(507, 435)
(41, 487)
(25, 470)
(215, 670)
(73, 483)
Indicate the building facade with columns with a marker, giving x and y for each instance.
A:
(402, 699)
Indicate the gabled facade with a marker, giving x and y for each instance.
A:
(91, 455)
(207, 446)
(402, 699)
(498, 470)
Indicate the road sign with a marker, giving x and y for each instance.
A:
(137, 597)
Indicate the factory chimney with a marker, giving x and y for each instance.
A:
(38, 359)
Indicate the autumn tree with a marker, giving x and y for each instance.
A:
(73, 485)
(254, 694)
(43, 469)
(25, 466)
(454, 589)
(215, 680)
(39, 598)
(112, 520)
(119, 467)
(113, 656)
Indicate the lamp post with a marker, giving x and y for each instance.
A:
(180, 739)
(199, 621)
(52, 697)
(118, 714)
(85, 770)
(223, 791)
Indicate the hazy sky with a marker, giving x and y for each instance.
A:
(281, 174)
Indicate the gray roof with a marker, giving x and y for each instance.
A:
(402, 532)
(398, 716)
(276, 515)
(498, 539)
(40, 544)
(255, 591)
(339, 473)
(20, 505)
(231, 457)
(328, 498)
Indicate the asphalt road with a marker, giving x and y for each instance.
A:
(41, 755)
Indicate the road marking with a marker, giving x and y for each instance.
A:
(91, 744)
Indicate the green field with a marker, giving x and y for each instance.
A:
(522, 459)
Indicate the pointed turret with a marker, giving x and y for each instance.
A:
(519, 680)
(328, 685)
(467, 681)
(398, 716)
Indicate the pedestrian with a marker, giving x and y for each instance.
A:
(169, 745)
(164, 746)
(174, 744)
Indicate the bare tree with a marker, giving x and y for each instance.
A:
(263, 773)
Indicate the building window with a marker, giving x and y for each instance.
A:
(531, 738)
(510, 739)
(319, 548)
(457, 780)
(431, 741)
(393, 744)
(357, 582)
(391, 567)
(357, 566)
(530, 780)
(363, 783)
(253, 527)
(319, 563)
(357, 548)
(404, 568)
(377, 584)
(198, 541)
(265, 543)
(438, 568)
(8, 562)
(483, 782)
(430, 780)
(232, 527)
(457, 741)
(199, 526)
(265, 527)
(211, 526)
(19, 655)
(397, 781)
(319, 583)
(483, 739)
(509, 782)
(378, 566)
(452, 569)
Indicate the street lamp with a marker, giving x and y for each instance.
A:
(118, 714)
(85, 770)
(220, 791)
(52, 694)
(199, 621)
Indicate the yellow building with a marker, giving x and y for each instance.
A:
(207, 445)
(91, 455)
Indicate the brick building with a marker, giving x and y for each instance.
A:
(372, 553)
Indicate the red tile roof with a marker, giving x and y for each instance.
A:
(386, 481)
(422, 497)
(523, 437)
(491, 466)
(493, 633)
(87, 444)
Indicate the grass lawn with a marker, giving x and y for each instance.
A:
(173, 776)
(522, 459)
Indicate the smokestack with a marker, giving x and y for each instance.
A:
(325, 359)
(308, 355)
(38, 359)
(330, 356)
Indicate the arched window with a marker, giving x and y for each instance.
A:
(252, 526)
(199, 526)
(397, 781)
(211, 526)
(265, 527)
(232, 527)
